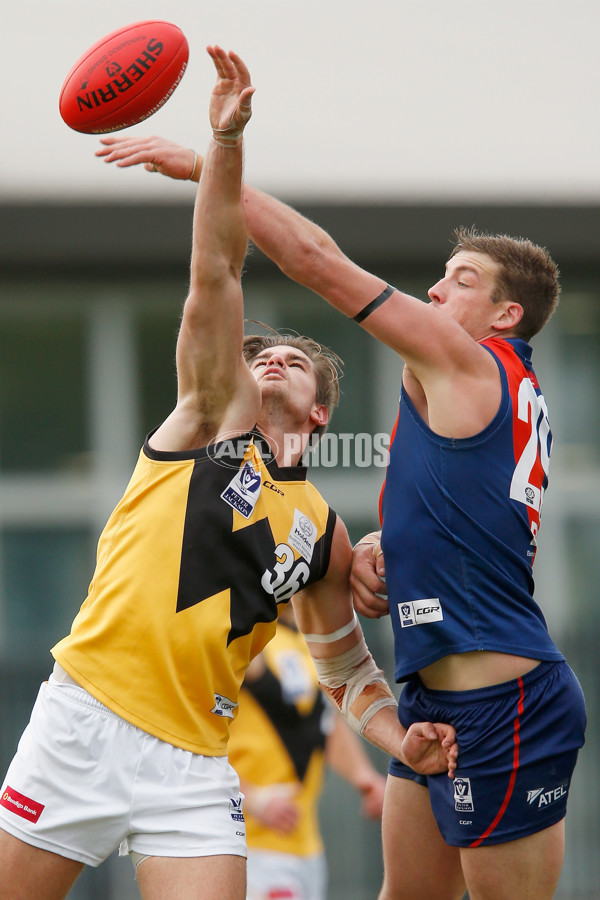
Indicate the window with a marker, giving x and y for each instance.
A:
(42, 392)
(45, 576)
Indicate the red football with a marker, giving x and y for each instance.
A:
(124, 78)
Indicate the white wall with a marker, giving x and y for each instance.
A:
(428, 99)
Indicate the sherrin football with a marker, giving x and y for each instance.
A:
(124, 78)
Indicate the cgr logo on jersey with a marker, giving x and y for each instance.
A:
(543, 798)
(223, 706)
(420, 612)
(243, 490)
(302, 535)
(463, 798)
(274, 488)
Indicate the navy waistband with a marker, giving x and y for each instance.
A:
(492, 690)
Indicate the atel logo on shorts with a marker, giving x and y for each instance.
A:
(21, 805)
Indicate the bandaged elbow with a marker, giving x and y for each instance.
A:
(355, 685)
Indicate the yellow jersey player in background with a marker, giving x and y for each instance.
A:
(282, 739)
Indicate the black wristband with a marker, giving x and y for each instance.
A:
(372, 306)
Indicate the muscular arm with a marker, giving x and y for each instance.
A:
(216, 392)
(457, 377)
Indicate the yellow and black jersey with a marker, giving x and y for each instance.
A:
(278, 738)
(192, 567)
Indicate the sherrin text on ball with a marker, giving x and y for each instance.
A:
(124, 78)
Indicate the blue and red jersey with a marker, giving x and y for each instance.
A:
(459, 525)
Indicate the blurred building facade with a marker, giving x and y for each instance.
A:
(90, 299)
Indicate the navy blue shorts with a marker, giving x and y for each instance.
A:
(517, 748)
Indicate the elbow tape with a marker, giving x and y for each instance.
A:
(333, 635)
(355, 685)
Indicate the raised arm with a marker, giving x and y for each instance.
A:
(216, 392)
(348, 674)
(457, 376)
(445, 360)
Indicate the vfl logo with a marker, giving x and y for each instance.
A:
(463, 798)
(420, 612)
(545, 798)
(235, 808)
(21, 805)
(249, 480)
(406, 615)
(287, 576)
(112, 69)
(243, 490)
(223, 706)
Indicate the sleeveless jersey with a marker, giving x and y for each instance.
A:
(459, 525)
(278, 737)
(192, 567)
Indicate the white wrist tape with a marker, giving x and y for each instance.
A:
(372, 540)
(193, 172)
(374, 537)
(333, 635)
(229, 136)
(354, 683)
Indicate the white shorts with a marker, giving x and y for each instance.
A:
(285, 875)
(84, 780)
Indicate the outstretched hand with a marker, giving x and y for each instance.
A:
(155, 153)
(430, 748)
(230, 109)
(230, 103)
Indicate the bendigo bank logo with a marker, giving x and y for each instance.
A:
(21, 805)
